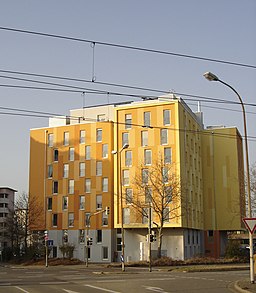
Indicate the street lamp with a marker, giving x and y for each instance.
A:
(212, 77)
(125, 146)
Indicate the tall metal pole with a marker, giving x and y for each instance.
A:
(149, 242)
(121, 206)
(210, 76)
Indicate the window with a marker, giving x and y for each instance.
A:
(118, 244)
(165, 176)
(99, 236)
(147, 116)
(104, 150)
(98, 202)
(105, 184)
(82, 136)
(50, 171)
(125, 177)
(104, 219)
(99, 135)
(81, 202)
(101, 117)
(49, 203)
(144, 176)
(128, 195)
(71, 219)
(166, 116)
(81, 169)
(55, 187)
(71, 154)
(148, 195)
(147, 157)
(54, 220)
(98, 168)
(125, 138)
(164, 136)
(167, 155)
(87, 185)
(55, 155)
(65, 170)
(168, 194)
(87, 218)
(81, 236)
(104, 252)
(50, 140)
(65, 236)
(166, 215)
(88, 152)
(128, 121)
(144, 138)
(66, 138)
(128, 158)
(126, 215)
(144, 215)
(71, 186)
(65, 203)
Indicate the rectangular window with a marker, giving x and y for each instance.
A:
(125, 138)
(81, 169)
(164, 136)
(167, 155)
(81, 202)
(66, 138)
(101, 117)
(71, 219)
(104, 252)
(126, 215)
(82, 136)
(118, 244)
(128, 158)
(166, 116)
(99, 135)
(99, 236)
(55, 155)
(128, 121)
(65, 203)
(98, 202)
(65, 170)
(144, 138)
(147, 119)
(55, 187)
(54, 220)
(166, 215)
(148, 195)
(168, 194)
(104, 219)
(87, 219)
(104, 150)
(50, 171)
(81, 236)
(144, 176)
(144, 215)
(50, 140)
(105, 184)
(147, 157)
(88, 152)
(71, 186)
(126, 180)
(165, 176)
(128, 195)
(87, 185)
(99, 168)
(71, 154)
(49, 203)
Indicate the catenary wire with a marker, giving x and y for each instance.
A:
(128, 47)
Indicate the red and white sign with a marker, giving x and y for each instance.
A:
(250, 224)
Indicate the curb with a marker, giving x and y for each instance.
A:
(239, 289)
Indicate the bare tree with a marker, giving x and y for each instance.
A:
(157, 186)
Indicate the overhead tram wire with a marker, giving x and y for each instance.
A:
(146, 97)
(128, 47)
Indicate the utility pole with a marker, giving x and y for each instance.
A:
(149, 239)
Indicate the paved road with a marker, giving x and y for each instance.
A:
(94, 280)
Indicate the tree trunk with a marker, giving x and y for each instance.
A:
(159, 248)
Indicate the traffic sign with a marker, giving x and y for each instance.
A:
(250, 224)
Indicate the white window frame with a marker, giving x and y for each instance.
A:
(71, 186)
(65, 170)
(87, 184)
(81, 169)
(166, 117)
(147, 157)
(105, 184)
(128, 158)
(82, 136)
(147, 118)
(168, 155)
(66, 138)
(81, 202)
(98, 135)
(104, 150)
(98, 168)
(164, 136)
(65, 203)
(71, 154)
(87, 152)
(98, 201)
(144, 138)
(125, 177)
(128, 121)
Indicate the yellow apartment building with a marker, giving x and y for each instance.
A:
(97, 157)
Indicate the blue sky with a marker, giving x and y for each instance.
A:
(217, 29)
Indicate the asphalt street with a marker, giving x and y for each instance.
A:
(98, 279)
